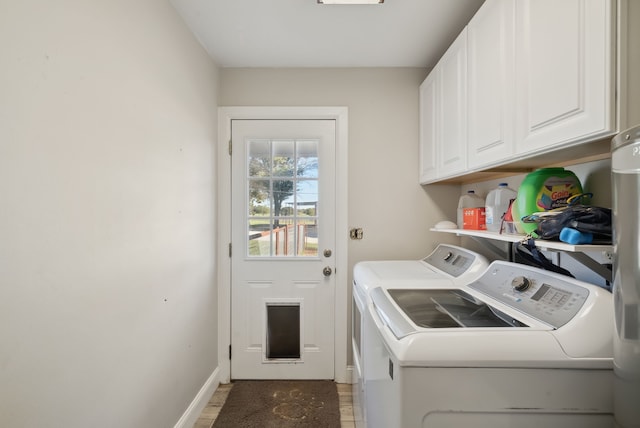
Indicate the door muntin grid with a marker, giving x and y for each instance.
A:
(282, 198)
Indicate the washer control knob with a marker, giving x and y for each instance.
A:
(520, 283)
(448, 256)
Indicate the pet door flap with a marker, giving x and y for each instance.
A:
(283, 331)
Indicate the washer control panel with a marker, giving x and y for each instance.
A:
(452, 260)
(548, 298)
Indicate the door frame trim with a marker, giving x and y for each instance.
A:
(225, 116)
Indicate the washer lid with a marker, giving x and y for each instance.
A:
(436, 308)
(397, 273)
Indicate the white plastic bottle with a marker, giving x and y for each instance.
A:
(470, 200)
(497, 204)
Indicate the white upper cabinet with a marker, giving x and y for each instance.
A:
(428, 128)
(443, 115)
(452, 75)
(491, 89)
(523, 79)
(564, 72)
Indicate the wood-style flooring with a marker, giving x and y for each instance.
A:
(210, 412)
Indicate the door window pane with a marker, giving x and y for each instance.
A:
(307, 197)
(282, 197)
(283, 159)
(259, 237)
(308, 237)
(259, 159)
(307, 159)
(259, 198)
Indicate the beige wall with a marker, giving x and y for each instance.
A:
(107, 213)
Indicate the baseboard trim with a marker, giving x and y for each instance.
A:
(200, 401)
(349, 378)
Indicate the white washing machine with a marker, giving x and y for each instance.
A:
(447, 265)
(518, 347)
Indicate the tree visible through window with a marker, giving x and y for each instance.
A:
(282, 198)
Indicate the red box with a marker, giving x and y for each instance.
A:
(474, 218)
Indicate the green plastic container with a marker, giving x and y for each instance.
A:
(543, 190)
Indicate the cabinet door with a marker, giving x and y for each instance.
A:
(491, 88)
(564, 72)
(452, 100)
(428, 128)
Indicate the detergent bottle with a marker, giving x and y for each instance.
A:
(496, 205)
(469, 200)
(544, 189)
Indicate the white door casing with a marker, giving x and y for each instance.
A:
(248, 285)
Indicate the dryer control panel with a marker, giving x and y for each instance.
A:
(452, 260)
(550, 298)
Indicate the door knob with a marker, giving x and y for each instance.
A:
(326, 271)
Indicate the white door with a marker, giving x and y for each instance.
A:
(283, 239)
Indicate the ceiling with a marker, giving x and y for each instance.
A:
(302, 33)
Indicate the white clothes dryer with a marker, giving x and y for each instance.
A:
(446, 266)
